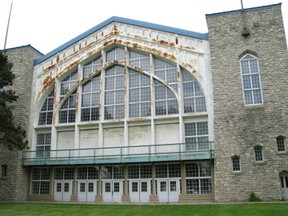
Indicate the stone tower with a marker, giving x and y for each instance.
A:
(250, 102)
(14, 181)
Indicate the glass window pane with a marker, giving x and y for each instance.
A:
(202, 128)
(189, 105)
(248, 97)
(253, 66)
(160, 107)
(172, 106)
(200, 104)
(109, 113)
(192, 186)
(134, 110)
(86, 87)
(145, 109)
(190, 129)
(95, 99)
(246, 82)
(188, 89)
(160, 92)
(255, 81)
(119, 82)
(86, 100)
(134, 95)
(145, 94)
(119, 99)
(244, 67)
(119, 112)
(109, 83)
(85, 114)
(257, 96)
(109, 97)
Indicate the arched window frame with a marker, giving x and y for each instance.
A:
(141, 63)
(251, 80)
(281, 143)
(258, 150)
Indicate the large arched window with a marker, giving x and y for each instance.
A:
(251, 82)
(125, 84)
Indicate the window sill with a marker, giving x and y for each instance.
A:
(237, 172)
(254, 106)
(264, 162)
(282, 153)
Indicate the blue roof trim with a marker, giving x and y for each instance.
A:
(203, 36)
(245, 10)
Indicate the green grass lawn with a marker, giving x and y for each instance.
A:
(39, 209)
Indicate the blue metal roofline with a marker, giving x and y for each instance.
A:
(245, 10)
(203, 36)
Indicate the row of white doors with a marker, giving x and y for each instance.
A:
(168, 190)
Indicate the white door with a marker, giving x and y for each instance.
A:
(162, 190)
(168, 190)
(87, 191)
(62, 190)
(174, 190)
(112, 191)
(284, 185)
(139, 191)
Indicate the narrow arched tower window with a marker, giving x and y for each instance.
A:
(251, 82)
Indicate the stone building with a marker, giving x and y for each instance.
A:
(249, 68)
(13, 176)
(131, 111)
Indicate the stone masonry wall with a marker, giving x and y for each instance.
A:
(14, 186)
(238, 128)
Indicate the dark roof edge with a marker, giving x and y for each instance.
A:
(203, 36)
(245, 10)
(24, 46)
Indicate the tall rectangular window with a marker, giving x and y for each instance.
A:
(258, 153)
(114, 93)
(281, 147)
(236, 163)
(139, 95)
(251, 82)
